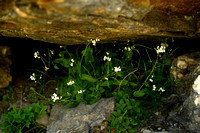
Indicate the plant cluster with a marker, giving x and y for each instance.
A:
(23, 120)
(136, 75)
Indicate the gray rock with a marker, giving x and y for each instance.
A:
(188, 89)
(80, 119)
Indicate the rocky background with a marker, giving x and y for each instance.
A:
(74, 21)
(71, 22)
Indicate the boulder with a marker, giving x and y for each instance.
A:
(76, 21)
(182, 71)
(5, 62)
(81, 119)
(188, 89)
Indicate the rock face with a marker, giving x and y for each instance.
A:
(186, 72)
(182, 73)
(76, 21)
(81, 119)
(5, 62)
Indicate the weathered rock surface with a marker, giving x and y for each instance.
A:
(182, 74)
(81, 119)
(188, 112)
(75, 21)
(5, 62)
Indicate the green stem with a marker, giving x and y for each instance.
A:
(126, 77)
(41, 95)
(93, 68)
(149, 74)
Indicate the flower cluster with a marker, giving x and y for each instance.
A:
(81, 91)
(160, 89)
(33, 77)
(70, 83)
(162, 48)
(72, 63)
(94, 41)
(151, 79)
(36, 55)
(129, 48)
(117, 69)
(154, 86)
(54, 97)
(106, 58)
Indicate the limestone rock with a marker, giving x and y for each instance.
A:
(76, 21)
(181, 71)
(188, 89)
(5, 62)
(80, 119)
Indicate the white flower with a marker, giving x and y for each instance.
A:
(36, 55)
(32, 77)
(56, 88)
(106, 78)
(97, 39)
(81, 91)
(106, 58)
(161, 89)
(71, 64)
(129, 49)
(162, 48)
(107, 53)
(117, 69)
(72, 60)
(151, 80)
(70, 83)
(154, 87)
(54, 97)
(94, 41)
(41, 76)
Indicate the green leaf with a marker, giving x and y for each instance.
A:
(121, 101)
(138, 93)
(56, 67)
(134, 85)
(107, 83)
(62, 61)
(88, 78)
(117, 82)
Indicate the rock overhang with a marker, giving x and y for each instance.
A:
(72, 22)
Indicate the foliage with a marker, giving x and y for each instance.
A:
(9, 94)
(20, 120)
(136, 75)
